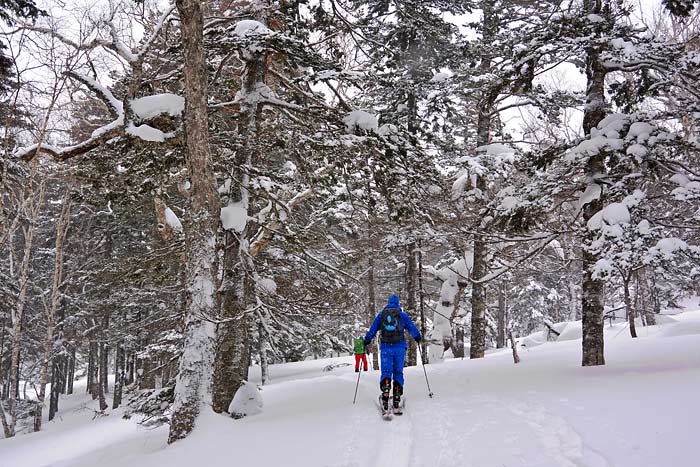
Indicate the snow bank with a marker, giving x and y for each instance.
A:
(247, 401)
(572, 331)
(680, 329)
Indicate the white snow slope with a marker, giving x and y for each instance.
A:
(638, 410)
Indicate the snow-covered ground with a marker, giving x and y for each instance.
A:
(639, 409)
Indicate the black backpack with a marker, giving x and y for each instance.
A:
(392, 326)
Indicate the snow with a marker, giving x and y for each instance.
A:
(688, 192)
(640, 130)
(253, 33)
(667, 247)
(440, 77)
(249, 27)
(234, 217)
(637, 151)
(612, 214)
(267, 285)
(680, 179)
(147, 133)
(360, 119)
(591, 193)
(172, 220)
(146, 108)
(547, 411)
(247, 401)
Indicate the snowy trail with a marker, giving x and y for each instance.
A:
(548, 411)
(396, 442)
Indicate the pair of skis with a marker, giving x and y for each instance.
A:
(391, 411)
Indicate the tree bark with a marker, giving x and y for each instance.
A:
(262, 341)
(513, 346)
(423, 330)
(119, 375)
(646, 292)
(71, 371)
(501, 318)
(93, 368)
(233, 346)
(480, 269)
(411, 267)
(592, 288)
(18, 315)
(193, 385)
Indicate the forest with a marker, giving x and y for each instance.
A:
(191, 189)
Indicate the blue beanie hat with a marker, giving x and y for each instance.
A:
(393, 302)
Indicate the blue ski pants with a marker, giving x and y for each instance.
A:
(392, 359)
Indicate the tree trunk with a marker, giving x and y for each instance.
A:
(371, 296)
(262, 341)
(233, 346)
(58, 383)
(423, 330)
(513, 346)
(18, 315)
(232, 350)
(628, 304)
(501, 318)
(119, 375)
(193, 385)
(93, 369)
(411, 359)
(104, 356)
(646, 292)
(480, 269)
(592, 288)
(71, 371)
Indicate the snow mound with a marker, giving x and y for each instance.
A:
(247, 401)
(680, 329)
(572, 331)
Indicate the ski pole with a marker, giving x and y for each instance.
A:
(357, 385)
(422, 358)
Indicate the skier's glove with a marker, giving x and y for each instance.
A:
(418, 339)
(367, 343)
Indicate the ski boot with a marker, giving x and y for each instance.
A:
(385, 386)
(397, 401)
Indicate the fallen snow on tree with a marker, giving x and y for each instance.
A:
(360, 119)
(234, 217)
(612, 214)
(172, 220)
(249, 27)
(440, 77)
(247, 401)
(149, 107)
(147, 133)
(267, 285)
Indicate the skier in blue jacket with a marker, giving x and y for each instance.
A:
(391, 322)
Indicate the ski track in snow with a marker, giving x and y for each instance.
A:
(396, 442)
(559, 439)
(481, 430)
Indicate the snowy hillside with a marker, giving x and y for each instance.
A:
(637, 410)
